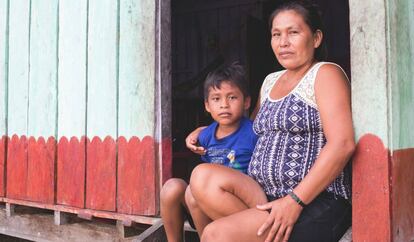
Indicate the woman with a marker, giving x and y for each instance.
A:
(306, 138)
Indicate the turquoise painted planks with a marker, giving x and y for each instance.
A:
(136, 68)
(102, 68)
(3, 66)
(42, 110)
(136, 154)
(43, 72)
(102, 104)
(72, 102)
(19, 17)
(4, 9)
(72, 68)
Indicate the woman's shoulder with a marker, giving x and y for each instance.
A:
(330, 70)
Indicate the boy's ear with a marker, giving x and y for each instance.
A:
(247, 101)
(206, 106)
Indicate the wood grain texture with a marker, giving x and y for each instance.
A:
(136, 176)
(71, 172)
(371, 195)
(17, 167)
(136, 68)
(43, 69)
(4, 8)
(3, 142)
(72, 68)
(3, 66)
(101, 174)
(19, 15)
(41, 170)
(102, 69)
(403, 195)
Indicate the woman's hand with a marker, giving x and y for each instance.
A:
(191, 141)
(283, 215)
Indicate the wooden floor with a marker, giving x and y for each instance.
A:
(34, 224)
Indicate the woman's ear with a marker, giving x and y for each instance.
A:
(317, 38)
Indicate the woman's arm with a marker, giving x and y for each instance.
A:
(333, 97)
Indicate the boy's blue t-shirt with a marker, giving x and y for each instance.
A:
(234, 150)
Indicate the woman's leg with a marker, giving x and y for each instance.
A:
(173, 208)
(199, 217)
(221, 191)
(241, 227)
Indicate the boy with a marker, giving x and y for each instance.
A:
(228, 141)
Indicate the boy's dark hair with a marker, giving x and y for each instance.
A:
(312, 16)
(233, 73)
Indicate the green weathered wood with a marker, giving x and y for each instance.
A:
(136, 68)
(102, 68)
(19, 17)
(72, 68)
(3, 65)
(43, 69)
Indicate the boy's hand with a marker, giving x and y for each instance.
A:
(191, 142)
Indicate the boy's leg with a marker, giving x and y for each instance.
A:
(199, 217)
(221, 191)
(172, 208)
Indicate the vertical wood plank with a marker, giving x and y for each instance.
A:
(72, 102)
(42, 110)
(102, 104)
(19, 19)
(136, 160)
(4, 9)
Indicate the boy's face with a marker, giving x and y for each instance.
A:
(227, 104)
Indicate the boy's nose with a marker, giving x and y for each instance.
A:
(224, 103)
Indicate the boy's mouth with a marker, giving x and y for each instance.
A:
(224, 115)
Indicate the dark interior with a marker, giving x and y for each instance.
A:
(206, 34)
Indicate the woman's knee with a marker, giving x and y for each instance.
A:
(213, 232)
(173, 190)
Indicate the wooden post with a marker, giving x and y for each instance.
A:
(9, 209)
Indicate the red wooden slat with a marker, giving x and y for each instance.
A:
(71, 172)
(371, 205)
(41, 170)
(101, 174)
(136, 176)
(17, 167)
(166, 159)
(2, 162)
(403, 195)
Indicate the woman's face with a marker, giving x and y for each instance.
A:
(293, 42)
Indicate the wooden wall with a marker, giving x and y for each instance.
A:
(77, 103)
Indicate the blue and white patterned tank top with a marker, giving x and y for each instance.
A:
(290, 139)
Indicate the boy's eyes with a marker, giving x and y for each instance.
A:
(215, 99)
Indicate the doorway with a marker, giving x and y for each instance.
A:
(206, 34)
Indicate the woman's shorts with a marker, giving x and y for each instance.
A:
(325, 219)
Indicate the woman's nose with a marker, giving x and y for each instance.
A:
(284, 40)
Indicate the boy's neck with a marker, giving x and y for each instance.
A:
(226, 130)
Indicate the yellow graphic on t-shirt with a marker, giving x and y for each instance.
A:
(232, 156)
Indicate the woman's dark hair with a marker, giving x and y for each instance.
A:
(311, 15)
(233, 73)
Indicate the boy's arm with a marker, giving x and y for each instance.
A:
(191, 141)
